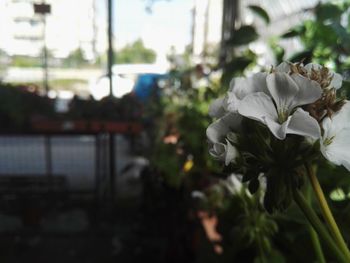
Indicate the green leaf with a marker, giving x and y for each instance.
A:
(238, 64)
(305, 55)
(235, 67)
(346, 88)
(244, 35)
(343, 36)
(340, 31)
(279, 53)
(277, 50)
(294, 32)
(276, 257)
(260, 12)
(291, 33)
(328, 11)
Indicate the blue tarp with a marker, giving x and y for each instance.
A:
(146, 85)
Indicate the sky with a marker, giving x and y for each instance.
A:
(169, 24)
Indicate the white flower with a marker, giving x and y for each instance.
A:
(218, 108)
(280, 111)
(335, 141)
(241, 87)
(198, 195)
(284, 67)
(233, 184)
(220, 147)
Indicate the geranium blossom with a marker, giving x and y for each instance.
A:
(218, 108)
(233, 184)
(289, 99)
(241, 87)
(278, 108)
(335, 141)
(220, 147)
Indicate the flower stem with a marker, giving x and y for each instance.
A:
(317, 225)
(261, 250)
(326, 212)
(317, 245)
(313, 234)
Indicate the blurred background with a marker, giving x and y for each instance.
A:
(103, 111)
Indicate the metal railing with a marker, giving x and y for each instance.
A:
(85, 163)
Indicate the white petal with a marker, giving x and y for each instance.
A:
(231, 153)
(198, 194)
(283, 90)
(338, 151)
(218, 151)
(347, 165)
(233, 121)
(255, 83)
(337, 130)
(232, 102)
(235, 82)
(301, 123)
(336, 81)
(258, 105)
(309, 91)
(339, 121)
(283, 67)
(241, 87)
(342, 117)
(217, 131)
(217, 108)
(323, 149)
(233, 184)
(277, 129)
(224, 152)
(232, 137)
(327, 126)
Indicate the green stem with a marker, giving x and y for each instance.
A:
(326, 212)
(262, 258)
(317, 225)
(317, 245)
(313, 234)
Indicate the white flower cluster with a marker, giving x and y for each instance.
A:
(284, 100)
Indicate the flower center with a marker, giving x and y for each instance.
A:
(282, 115)
(328, 141)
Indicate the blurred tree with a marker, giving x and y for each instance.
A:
(135, 53)
(26, 61)
(4, 60)
(30, 61)
(76, 58)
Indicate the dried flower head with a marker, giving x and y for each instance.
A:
(328, 103)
